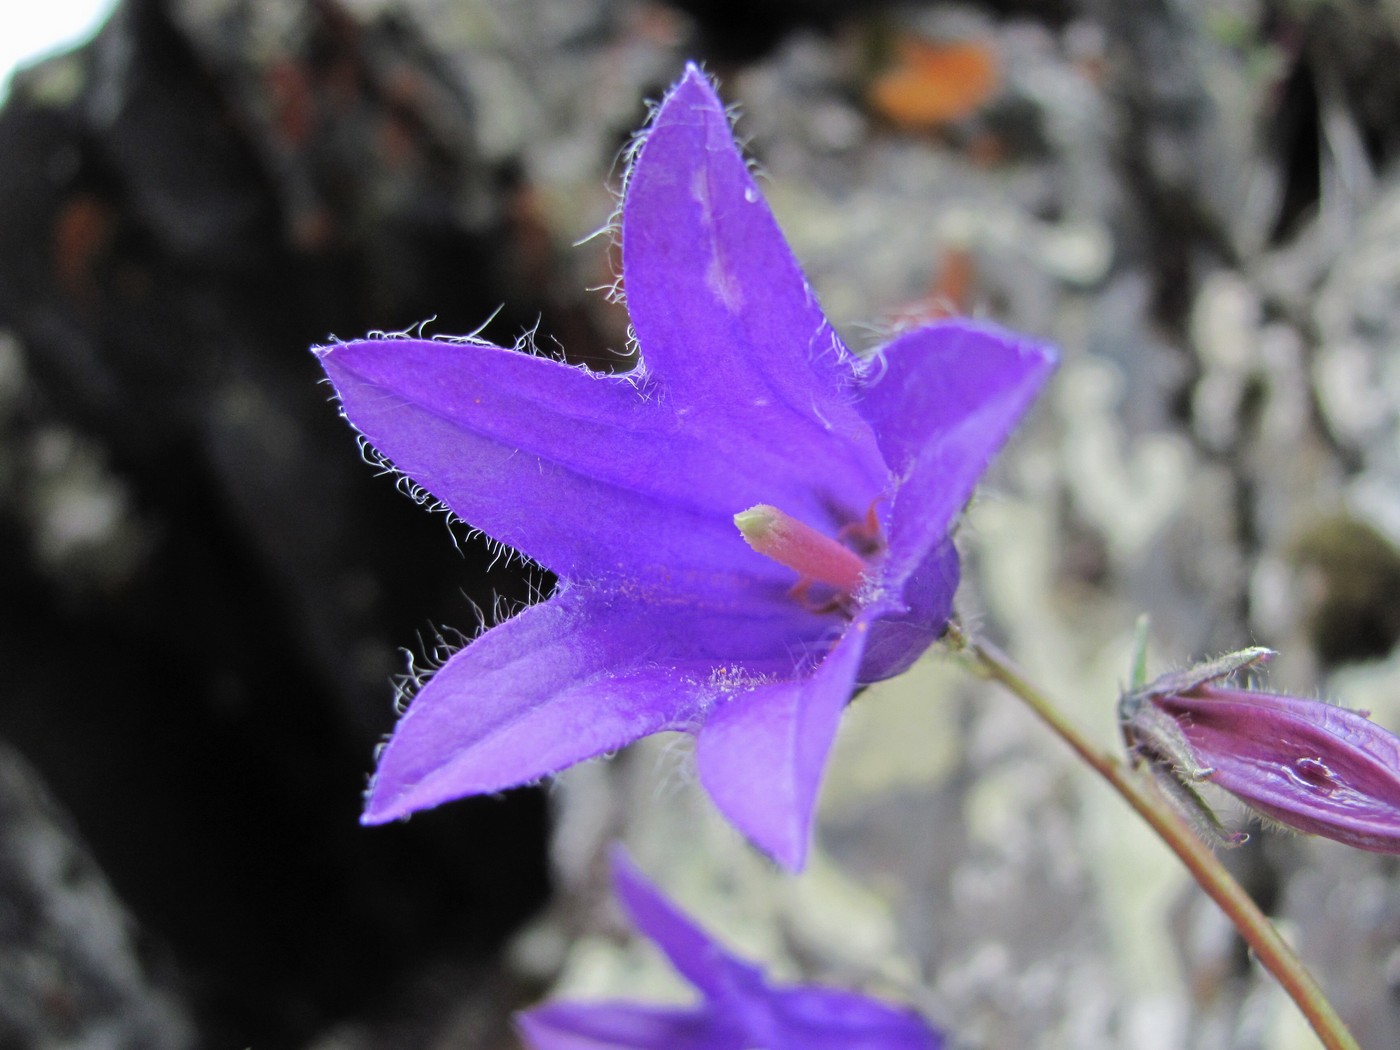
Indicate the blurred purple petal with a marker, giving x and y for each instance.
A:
(610, 1026)
(548, 688)
(740, 1010)
(695, 956)
(828, 1019)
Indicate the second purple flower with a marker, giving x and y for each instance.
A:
(739, 1008)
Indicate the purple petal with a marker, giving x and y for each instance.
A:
(896, 641)
(943, 404)
(810, 1018)
(692, 952)
(582, 472)
(1307, 764)
(562, 465)
(726, 323)
(596, 1026)
(581, 674)
(762, 749)
(539, 692)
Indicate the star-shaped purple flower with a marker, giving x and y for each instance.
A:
(843, 475)
(740, 1009)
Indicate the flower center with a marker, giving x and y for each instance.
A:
(814, 557)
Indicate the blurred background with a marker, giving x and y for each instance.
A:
(206, 594)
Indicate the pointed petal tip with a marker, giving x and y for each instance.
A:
(380, 810)
(345, 347)
(392, 796)
(774, 821)
(1010, 363)
(343, 359)
(762, 752)
(775, 808)
(791, 854)
(335, 357)
(389, 800)
(1047, 353)
(1040, 354)
(695, 76)
(695, 89)
(388, 806)
(976, 327)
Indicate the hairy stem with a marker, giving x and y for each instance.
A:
(1142, 794)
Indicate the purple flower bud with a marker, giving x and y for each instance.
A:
(1306, 764)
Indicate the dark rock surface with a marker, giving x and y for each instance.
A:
(204, 588)
(72, 972)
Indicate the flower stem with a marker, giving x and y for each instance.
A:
(1142, 794)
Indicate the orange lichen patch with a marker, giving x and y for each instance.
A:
(931, 85)
(83, 229)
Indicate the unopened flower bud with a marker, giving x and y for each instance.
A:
(1309, 765)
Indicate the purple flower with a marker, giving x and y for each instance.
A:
(744, 402)
(1306, 764)
(740, 1009)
